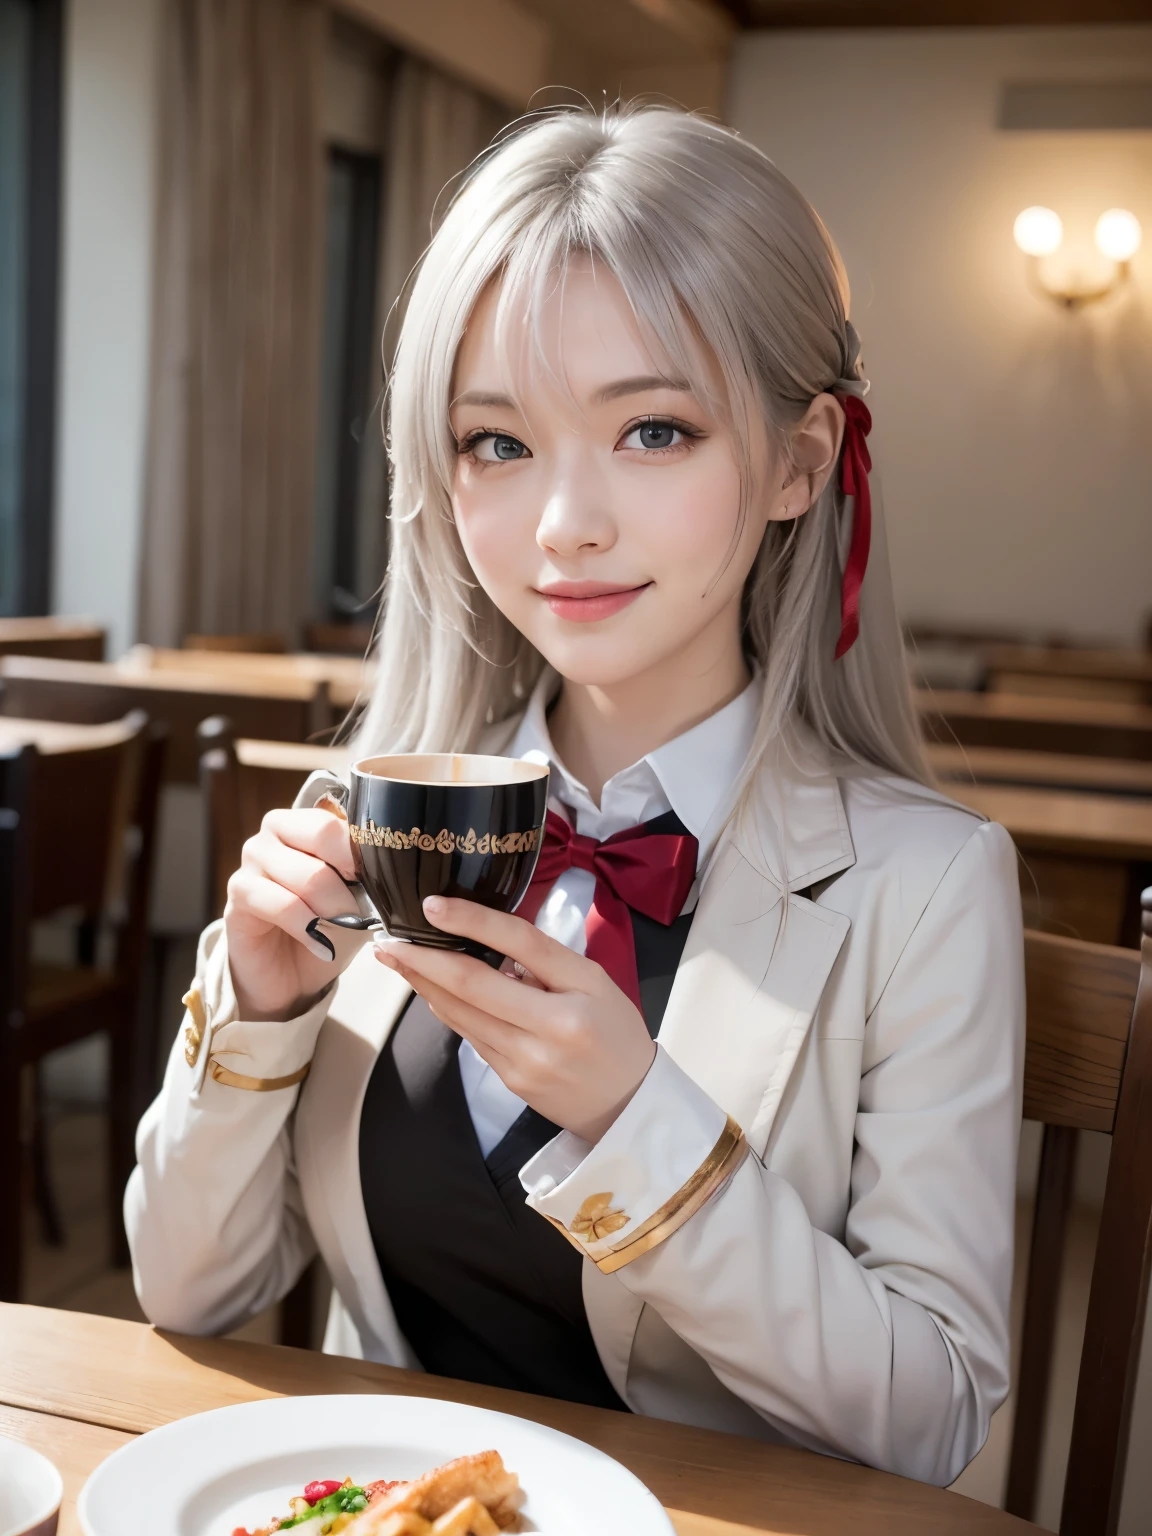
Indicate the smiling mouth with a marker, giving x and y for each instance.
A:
(584, 602)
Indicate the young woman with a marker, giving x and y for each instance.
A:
(732, 1140)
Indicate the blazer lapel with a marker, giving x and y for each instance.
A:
(754, 969)
(368, 1002)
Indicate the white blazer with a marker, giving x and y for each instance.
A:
(845, 1288)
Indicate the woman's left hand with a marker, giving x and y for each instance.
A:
(572, 1045)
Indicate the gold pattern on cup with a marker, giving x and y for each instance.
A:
(444, 841)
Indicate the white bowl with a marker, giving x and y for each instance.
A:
(30, 1491)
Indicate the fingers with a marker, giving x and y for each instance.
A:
(291, 875)
(558, 968)
(315, 832)
(494, 992)
(251, 895)
(311, 879)
(494, 1039)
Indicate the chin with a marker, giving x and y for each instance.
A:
(606, 662)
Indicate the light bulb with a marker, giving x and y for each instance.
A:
(1118, 234)
(1038, 231)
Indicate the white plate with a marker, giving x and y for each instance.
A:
(207, 1474)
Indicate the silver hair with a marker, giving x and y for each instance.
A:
(714, 248)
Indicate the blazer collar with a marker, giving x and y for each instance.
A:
(792, 828)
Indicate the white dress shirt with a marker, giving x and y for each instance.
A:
(694, 775)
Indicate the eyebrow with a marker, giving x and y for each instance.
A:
(614, 391)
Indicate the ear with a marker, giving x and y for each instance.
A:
(813, 449)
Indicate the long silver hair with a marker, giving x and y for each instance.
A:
(715, 249)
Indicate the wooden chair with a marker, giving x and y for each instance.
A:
(338, 639)
(76, 833)
(276, 708)
(1088, 1066)
(241, 781)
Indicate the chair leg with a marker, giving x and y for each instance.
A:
(1045, 1263)
(297, 1311)
(43, 1193)
(11, 1181)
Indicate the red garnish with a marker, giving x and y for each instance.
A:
(239, 1531)
(317, 1491)
(377, 1490)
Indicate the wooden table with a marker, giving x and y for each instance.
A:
(281, 707)
(67, 639)
(1033, 723)
(1069, 672)
(78, 1387)
(343, 675)
(1044, 770)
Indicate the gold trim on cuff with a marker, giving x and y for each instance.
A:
(256, 1084)
(717, 1168)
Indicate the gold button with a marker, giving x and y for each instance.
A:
(197, 1026)
(596, 1219)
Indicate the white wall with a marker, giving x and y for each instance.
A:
(111, 62)
(1012, 438)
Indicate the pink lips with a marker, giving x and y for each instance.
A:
(584, 602)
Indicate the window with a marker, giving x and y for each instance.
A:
(349, 519)
(30, 47)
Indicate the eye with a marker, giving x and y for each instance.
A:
(654, 436)
(494, 448)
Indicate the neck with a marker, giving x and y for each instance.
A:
(599, 729)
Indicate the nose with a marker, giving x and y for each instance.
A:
(576, 518)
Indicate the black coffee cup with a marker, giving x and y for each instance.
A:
(445, 824)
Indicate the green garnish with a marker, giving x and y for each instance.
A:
(345, 1501)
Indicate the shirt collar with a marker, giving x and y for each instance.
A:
(696, 774)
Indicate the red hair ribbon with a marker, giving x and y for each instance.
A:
(855, 462)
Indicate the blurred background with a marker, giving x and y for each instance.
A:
(207, 211)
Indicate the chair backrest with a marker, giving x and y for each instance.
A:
(1088, 1066)
(1030, 723)
(274, 708)
(241, 781)
(268, 643)
(82, 804)
(338, 639)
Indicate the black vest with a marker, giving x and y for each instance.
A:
(484, 1289)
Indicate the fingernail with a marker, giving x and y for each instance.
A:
(433, 905)
(322, 946)
(386, 959)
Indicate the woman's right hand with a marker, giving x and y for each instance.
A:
(290, 873)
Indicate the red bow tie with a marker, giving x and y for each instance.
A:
(649, 871)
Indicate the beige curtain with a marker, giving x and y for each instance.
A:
(435, 129)
(230, 473)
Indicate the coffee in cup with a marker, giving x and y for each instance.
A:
(445, 824)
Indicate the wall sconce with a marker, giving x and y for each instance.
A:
(1039, 232)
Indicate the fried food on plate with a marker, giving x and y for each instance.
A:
(471, 1496)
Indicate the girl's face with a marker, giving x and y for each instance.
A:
(600, 517)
